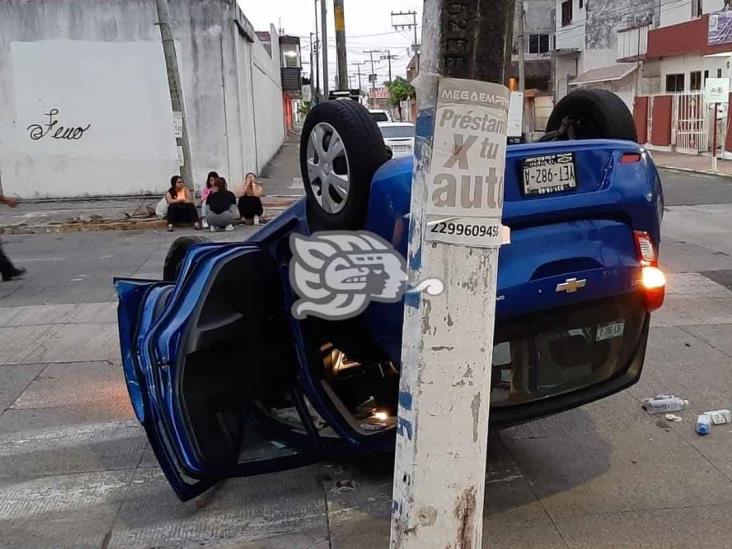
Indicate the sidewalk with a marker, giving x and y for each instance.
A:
(280, 179)
(691, 163)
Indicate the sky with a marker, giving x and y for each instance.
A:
(368, 26)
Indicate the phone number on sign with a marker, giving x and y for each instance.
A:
(468, 230)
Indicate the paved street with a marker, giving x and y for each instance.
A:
(76, 470)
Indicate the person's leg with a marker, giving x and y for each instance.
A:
(234, 212)
(219, 220)
(191, 214)
(204, 215)
(257, 206)
(174, 215)
(7, 269)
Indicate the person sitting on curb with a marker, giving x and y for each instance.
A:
(7, 269)
(206, 190)
(181, 209)
(221, 207)
(250, 202)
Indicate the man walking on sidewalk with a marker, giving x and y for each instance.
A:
(7, 269)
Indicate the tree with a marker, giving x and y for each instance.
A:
(400, 90)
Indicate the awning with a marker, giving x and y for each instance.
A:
(604, 74)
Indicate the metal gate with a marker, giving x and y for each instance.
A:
(690, 123)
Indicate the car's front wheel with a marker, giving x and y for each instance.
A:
(176, 254)
(590, 114)
(340, 150)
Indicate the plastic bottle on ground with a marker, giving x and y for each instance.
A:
(663, 405)
(704, 424)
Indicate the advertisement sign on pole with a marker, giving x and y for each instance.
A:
(465, 181)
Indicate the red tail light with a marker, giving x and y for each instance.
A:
(652, 280)
(630, 158)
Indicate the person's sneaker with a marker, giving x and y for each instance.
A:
(204, 223)
(197, 226)
(212, 228)
(229, 228)
(17, 273)
(256, 220)
(170, 227)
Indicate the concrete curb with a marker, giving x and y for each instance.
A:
(272, 210)
(700, 172)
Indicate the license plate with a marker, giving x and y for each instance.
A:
(401, 148)
(552, 173)
(610, 331)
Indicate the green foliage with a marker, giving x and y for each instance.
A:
(400, 90)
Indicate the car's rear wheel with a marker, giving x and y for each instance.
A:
(176, 253)
(591, 114)
(340, 150)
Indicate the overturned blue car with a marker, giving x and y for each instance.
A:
(228, 382)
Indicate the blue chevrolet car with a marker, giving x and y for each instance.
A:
(226, 382)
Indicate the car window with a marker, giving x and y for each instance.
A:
(379, 116)
(558, 355)
(392, 132)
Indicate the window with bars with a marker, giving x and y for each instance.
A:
(674, 82)
(695, 81)
(567, 13)
(538, 43)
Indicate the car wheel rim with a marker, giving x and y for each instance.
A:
(329, 174)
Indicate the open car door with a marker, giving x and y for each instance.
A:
(211, 369)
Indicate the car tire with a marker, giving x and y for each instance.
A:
(597, 114)
(176, 253)
(337, 178)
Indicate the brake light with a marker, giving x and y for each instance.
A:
(652, 278)
(646, 250)
(630, 158)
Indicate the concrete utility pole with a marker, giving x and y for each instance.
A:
(316, 91)
(324, 42)
(358, 67)
(176, 91)
(340, 27)
(444, 395)
(408, 26)
(389, 57)
(372, 76)
(521, 47)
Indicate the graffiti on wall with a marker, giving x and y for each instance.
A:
(55, 130)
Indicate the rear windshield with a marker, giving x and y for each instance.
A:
(395, 132)
(379, 116)
(564, 352)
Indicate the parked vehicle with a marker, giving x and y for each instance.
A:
(378, 115)
(398, 137)
(226, 382)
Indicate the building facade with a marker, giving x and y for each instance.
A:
(84, 101)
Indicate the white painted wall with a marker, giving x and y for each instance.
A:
(101, 63)
(674, 12)
(685, 64)
(129, 146)
(268, 112)
(572, 36)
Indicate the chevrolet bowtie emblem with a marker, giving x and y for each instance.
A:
(571, 285)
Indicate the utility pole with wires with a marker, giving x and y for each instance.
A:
(316, 67)
(407, 26)
(447, 342)
(340, 35)
(358, 67)
(389, 57)
(372, 76)
(324, 42)
(176, 91)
